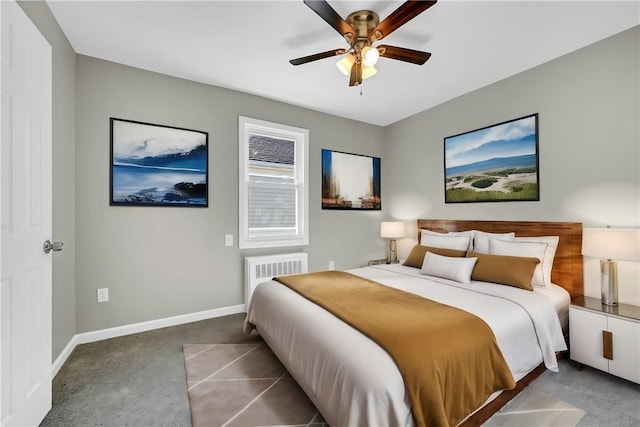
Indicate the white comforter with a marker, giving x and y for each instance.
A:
(353, 381)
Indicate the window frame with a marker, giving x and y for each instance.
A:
(273, 238)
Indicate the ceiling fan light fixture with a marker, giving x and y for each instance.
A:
(361, 30)
(370, 56)
(345, 64)
(368, 72)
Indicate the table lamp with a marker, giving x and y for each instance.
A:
(392, 230)
(610, 245)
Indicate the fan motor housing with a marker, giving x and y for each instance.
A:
(363, 21)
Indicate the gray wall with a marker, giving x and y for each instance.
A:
(164, 261)
(589, 149)
(64, 60)
(160, 262)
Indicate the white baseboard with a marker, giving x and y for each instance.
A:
(134, 328)
(64, 355)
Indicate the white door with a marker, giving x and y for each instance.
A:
(25, 221)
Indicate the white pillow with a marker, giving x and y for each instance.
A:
(448, 233)
(445, 241)
(522, 249)
(452, 268)
(549, 255)
(469, 233)
(481, 240)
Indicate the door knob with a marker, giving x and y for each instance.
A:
(55, 246)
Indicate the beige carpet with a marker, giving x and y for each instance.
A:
(245, 385)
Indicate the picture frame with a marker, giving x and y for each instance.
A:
(157, 165)
(350, 181)
(496, 163)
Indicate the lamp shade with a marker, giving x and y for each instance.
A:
(368, 72)
(345, 64)
(370, 56)
(392, 229)
(611, 243)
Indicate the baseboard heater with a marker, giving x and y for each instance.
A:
(259, 269)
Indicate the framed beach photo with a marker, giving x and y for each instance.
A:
(156, 165)
(350, 181)
(496, 163)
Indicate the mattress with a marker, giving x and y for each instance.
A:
(561, 301)
(353, 381)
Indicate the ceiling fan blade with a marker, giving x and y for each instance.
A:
(355, 78)
(399, 17)
(403, 54)
(331, 17)
(317, 56)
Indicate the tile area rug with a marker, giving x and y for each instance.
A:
(537, 410)
(246, 385)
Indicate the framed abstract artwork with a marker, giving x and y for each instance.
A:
(350, 181)
(496, 163)
(156, 165)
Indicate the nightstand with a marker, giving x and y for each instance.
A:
(378, 261)
(606, 338)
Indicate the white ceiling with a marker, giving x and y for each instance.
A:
(246, 45)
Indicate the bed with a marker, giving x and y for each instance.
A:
(353, 381)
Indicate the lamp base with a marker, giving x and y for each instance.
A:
(393, 252)
(609, 282)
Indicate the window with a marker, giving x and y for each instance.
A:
(273, 185)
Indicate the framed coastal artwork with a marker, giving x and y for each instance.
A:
(156, 165)
(496, 163)
(350, 181)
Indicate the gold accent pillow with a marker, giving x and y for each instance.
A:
(417, 254)
(504, 269)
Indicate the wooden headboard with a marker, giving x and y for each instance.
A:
(567, 265)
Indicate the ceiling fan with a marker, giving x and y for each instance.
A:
(361, 30)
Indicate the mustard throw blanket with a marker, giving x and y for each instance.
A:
(448, 358)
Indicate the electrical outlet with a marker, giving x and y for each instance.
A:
(228, 239)
(332, 266)
(103, 295)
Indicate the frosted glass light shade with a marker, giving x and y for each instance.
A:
(392, 229)
(345, 64)
(368, 72)
(370, 56)
(611, 243)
